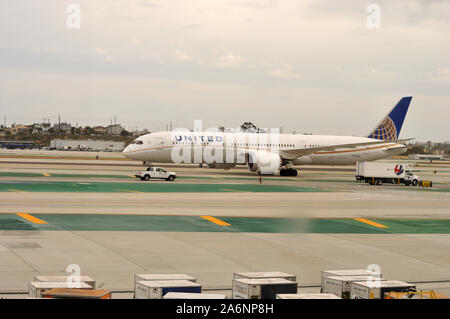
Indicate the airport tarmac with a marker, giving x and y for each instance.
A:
(68, 208)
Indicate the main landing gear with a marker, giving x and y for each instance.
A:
(288, 172)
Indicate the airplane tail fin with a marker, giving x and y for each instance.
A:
(389, 127)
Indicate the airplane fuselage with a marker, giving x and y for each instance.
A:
(160, 147)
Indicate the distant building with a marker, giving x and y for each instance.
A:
(20, 129)
(100, 130)
(115, 129)
(426, 157)
(64, 127)
(18, 144)
(87, 145)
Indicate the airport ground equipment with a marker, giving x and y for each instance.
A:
(67, 293)
(341, 285)
(307, 296)
(369, 290)
(86, 279)
(37, 288)
(426, 184)
(186, 295)
(348, 272)
(264, 275)
(158, 289)
(266, 288)
(155, 173)
(377, 173)
(415, 295)
(159, 277)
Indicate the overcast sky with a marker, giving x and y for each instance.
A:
(310, 66)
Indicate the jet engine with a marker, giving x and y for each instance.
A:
(263, 162)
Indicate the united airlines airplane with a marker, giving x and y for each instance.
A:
(268, 153)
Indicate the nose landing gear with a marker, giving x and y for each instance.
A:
(288, 172)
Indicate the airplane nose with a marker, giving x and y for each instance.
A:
(126, 151)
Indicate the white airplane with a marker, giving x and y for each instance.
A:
(268, 153)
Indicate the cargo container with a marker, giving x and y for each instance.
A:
(85, 279)
(348, 272)
(367, 290)
(186, 295)
(264, 274)
(307, 296)
(36, 288)
(64, 293)
(377, 173)
(266, 288)
(157, 289)
(163, 277)
(341, 285)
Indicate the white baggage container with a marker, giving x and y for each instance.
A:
(365, 290)
(348, 272)
(341, 285)
(86, 279)
(163, 277)
(36, 288)
(307, 296)
(264, 274)
(158, 289)
(262, 288)
(186, 295)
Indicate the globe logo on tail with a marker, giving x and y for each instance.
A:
(398, 169)
(385, 131)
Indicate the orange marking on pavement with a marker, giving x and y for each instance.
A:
(215, 220)
(371, 223)
(31, 218)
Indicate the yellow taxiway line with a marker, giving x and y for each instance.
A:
(215, 221)
(371, 223)
(15, 190)
(46, 174)
(128, 191)
(31, 218)
(233, 190)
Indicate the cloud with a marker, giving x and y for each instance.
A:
(375, 71)
(181, 55)
(284, 73)
(442, 75)
(135, 41)
(102, 53)
(259, 4)
(230, 60)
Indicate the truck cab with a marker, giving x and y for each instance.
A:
(155, 173)
(411, 178)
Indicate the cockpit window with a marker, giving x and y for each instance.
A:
(138, 142)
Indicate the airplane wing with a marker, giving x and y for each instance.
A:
(294, 153)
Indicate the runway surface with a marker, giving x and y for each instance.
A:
(60, 209)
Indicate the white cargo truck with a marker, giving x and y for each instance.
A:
(264, 274)
(266, 288)
(348, 272)
(86, 279)
(157, 289)
(187, 295)
(367, 290)
(307, 296)
(36, 288)
(341, 285)
(377, 173)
